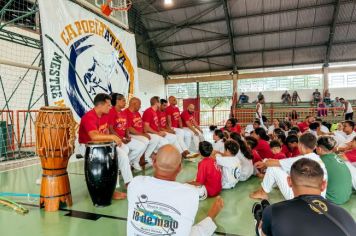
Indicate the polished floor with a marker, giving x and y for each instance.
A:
(235, 219)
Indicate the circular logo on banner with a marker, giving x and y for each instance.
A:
(94, 62)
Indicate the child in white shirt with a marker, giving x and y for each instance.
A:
(218, 144)
(230, 164)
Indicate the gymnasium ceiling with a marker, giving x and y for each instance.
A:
(196, 36)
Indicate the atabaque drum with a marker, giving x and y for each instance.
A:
(101, 169)
(55, 136)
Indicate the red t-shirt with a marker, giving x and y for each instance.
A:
(118, 120)
(134, 120)
(351, 155)
(174, 113)
(263, 149)
(90, 122)
(235, 129)
(150, 116)
(303, 126)
(209, 175)
(162, 119)
(290, 153)
(256, 156)
(186, 116)
(279, 156)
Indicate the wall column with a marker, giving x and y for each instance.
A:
(325, 77)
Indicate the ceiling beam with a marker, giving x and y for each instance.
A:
(230, 34)
(177, 27)
(196, 23)
(256, 51)
(332, 32)
(183, 6)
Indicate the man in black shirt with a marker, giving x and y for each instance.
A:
(308, 213)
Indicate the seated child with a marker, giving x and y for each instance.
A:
(245, 156)
(276, 149)
(209, 174)
(290, 149)
(230, 164)
(252, 144)
(219, 139)
(351, 154)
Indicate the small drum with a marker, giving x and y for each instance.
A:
(55, 135)
(101, 169)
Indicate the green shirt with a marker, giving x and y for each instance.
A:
(339, 186)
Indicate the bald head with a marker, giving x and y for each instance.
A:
(167, 162)
(172, 100)
(191, 108)
(135, 104)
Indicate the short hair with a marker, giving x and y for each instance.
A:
(308, 140)
(292, 132)
(115, 97)
(319, 120)
(205, 148)
(341, 99)
(295, 128)
(154, 100)
(306, 172)
(251, 141)
(163, 101)
(326, 142)
(351, 123)
(292, 139)
(101, 98)
(232, 146)
(307, 117)
(274, 144)
(257, 122)
(219, 133)
(314, 126)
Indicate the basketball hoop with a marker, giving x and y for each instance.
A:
(115, 5)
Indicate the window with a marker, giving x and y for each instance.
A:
(342, 80)
(188, 90)
(281, 83)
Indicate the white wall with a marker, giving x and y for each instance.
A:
(149, 84)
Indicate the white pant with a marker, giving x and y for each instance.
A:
(352, 172)
(196, 138)
(173, 139)
(122, 159)
(161, 141)
(183, 138)
(277, 176)
(150, 144)
(137, 149)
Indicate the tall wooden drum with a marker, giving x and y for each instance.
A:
(55, 136)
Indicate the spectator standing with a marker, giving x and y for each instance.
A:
(286, 97)
(243, 99)
(295, 98)
(316, 96)
(348, 111)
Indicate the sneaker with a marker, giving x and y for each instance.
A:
(137, 166)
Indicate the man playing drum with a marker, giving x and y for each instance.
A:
(119, 124)
(94, 126)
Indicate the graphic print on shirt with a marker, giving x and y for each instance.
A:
(137, 121)
(154, 218)
(103, 129)
(121, 123)
(176, 115)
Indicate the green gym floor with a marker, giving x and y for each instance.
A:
(235, 218)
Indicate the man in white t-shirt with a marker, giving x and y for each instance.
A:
(161, 206)
(278, 170)
(348, 111)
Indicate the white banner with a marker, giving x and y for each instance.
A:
(84, 55)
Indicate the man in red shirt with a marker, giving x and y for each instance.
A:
(152, 127)
(209, 174)
(118, 125)
(94, 126)
(304, 126)
(165, 127)
(135, 127)
(175, 122)
(190, 125)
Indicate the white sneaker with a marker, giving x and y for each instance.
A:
(38, 181)
(137, 166)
